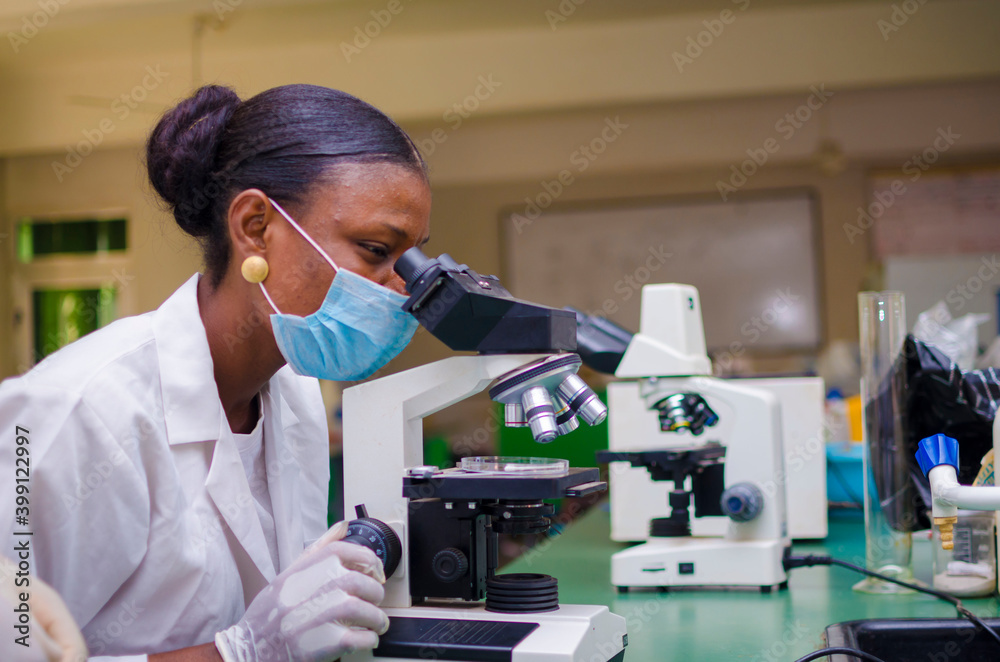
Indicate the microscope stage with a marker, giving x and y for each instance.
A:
(458, 484)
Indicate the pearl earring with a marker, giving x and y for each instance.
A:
(254, 269)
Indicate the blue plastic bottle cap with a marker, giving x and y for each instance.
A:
(936, 450)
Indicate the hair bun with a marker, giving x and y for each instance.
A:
(180, 155)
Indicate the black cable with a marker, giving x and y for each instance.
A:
(810, 560)
(839, 650)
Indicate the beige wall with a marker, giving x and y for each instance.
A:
(556, 88)
(489, 165)
(467, 223)
(159, 257)
(65, 79)
(485, 168)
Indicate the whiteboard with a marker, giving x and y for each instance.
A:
(754, 263)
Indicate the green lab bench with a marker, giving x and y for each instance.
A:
(733, 625)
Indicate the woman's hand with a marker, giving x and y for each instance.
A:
(323, 606)
(54, 635)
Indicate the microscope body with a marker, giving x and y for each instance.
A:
(633, 426)
(383, 433)
(447, 522)
(668, 361)
(750, 550)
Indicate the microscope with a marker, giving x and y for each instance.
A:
(436, 531)
(741, 481)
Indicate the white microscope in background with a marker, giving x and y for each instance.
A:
(634, 426)
(741, 482)
(436, 531)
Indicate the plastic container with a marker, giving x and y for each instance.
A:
(889, 492)
(498, 465)
(969, 569)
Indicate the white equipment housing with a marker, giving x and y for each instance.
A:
(383, 431)
(668, 356)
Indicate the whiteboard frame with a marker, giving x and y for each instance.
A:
(505, 227)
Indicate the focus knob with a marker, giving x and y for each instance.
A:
(449, 565)
(379, 537)
(742, 502)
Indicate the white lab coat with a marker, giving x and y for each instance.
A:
(142, 515)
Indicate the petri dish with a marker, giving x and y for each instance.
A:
(499, 465)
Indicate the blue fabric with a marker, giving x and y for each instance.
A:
(359, 327)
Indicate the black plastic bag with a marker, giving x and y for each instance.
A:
(938, 398)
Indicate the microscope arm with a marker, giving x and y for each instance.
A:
(428, 389)
(383, 419)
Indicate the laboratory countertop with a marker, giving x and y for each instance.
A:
(734, 625)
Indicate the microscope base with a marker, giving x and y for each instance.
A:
(714, 563)
(572, 633)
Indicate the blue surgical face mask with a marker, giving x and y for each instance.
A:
(359, 327)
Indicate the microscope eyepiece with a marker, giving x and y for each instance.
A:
(469, 311)
(411, 265)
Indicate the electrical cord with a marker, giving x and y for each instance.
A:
(839, 650)
(811, 560)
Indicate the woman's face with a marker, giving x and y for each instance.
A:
(364, 216)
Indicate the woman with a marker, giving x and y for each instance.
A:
(179, 466)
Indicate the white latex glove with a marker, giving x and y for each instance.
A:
(54, 635)
(321, 607)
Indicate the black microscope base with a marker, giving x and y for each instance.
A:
(448, 639)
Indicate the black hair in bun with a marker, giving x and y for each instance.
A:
(211, 146)
(180, 153)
